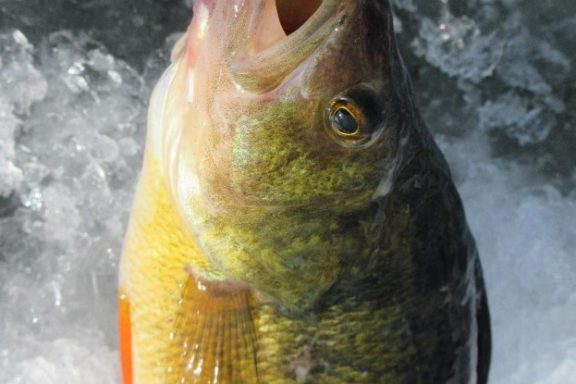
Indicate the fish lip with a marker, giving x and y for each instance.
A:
(272, 65)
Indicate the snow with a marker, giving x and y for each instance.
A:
(494, 82)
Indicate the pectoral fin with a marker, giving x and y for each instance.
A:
(216, 331)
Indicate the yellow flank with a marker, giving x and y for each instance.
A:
(170, 314)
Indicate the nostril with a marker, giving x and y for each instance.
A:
(294, 13)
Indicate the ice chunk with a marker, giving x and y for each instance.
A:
(458, 48)
(20, 82)
(60, 208)
(519, 118)
(65, 361)
(523, 59)
(21, 85)
(75, 151)
(10, 177)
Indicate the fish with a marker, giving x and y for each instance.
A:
(294, 220)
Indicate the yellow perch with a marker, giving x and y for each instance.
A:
(294, 221)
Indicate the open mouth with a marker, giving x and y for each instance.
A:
(286, 33)
(292, 14)
(279, 19)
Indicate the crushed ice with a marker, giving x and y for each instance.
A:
(494, 81)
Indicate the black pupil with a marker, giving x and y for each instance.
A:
(345, 121)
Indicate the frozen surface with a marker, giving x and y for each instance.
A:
(496, 83)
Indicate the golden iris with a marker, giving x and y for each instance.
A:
(347, 122)
(345, 119)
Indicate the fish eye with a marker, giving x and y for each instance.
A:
(345, 119)
(349, 124)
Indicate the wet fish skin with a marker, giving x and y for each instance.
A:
(262, 248)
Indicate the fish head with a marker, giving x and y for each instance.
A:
(276, 108)
(289, 119)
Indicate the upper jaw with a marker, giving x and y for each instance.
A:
(249, 36)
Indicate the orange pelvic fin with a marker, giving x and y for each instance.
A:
(216, 331)
(125, 338)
